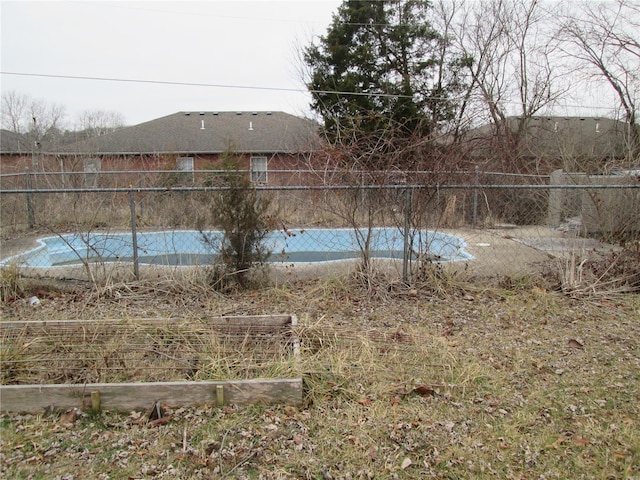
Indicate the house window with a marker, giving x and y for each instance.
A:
(259, 169)
(92, 167)
(185, 164)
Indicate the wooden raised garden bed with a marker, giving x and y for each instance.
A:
(130, 364)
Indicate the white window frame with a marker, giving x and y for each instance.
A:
(258, 166)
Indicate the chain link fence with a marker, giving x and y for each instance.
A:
(485, 223)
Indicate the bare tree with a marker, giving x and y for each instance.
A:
(95, 123)
(24, 114)
(453, 63)
(512, 63)
(604, 38)
(14, 111)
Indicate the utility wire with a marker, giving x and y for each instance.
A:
(248, 87)
(191, 84)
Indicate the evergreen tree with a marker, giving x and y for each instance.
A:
(385, 55)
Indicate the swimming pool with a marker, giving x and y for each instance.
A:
(188, 248)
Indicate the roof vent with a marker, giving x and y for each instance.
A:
(251, 126)
(254, 113)
(201, 113)
(238, 113)
(187, 113)
(202, 125)
(215, 113)
(268, 113)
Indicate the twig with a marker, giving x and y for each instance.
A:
(184, 439)
(224, 437)
(247, 457)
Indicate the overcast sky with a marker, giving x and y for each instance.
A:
(222, 43)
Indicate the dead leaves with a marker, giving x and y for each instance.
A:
(158, 415)
(159, 422)
(406, 463)
(424, 391)
(581, 441)
(567, 440)
(68, 418)
(538, 431)
(619, 455)
(372, 452)
(573, 343)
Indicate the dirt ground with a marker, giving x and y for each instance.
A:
(538, 385)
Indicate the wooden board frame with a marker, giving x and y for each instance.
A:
(224, 321)
(141, 395)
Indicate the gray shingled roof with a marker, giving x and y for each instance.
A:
(588, 137)
(11, 142)
(207, 132)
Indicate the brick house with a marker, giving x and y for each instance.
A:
(13, 148)
(541, 144)
(189, 142)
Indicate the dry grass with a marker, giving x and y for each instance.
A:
(111, 351)
(589, 273)
(516, 382)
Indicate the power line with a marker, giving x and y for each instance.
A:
(209, 85)
(250, 87)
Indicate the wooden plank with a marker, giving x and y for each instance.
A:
(136, 396)
(248, 321)
(251, 321)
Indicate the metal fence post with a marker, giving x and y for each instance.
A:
(476, 182)
(141, 203)
(27, 183)
(406, 253)
(134, 234)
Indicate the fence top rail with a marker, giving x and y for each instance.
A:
(291, 171)
(323, 187)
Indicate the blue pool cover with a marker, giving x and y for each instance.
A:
(188, 247)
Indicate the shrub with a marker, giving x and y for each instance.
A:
(242, 216)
